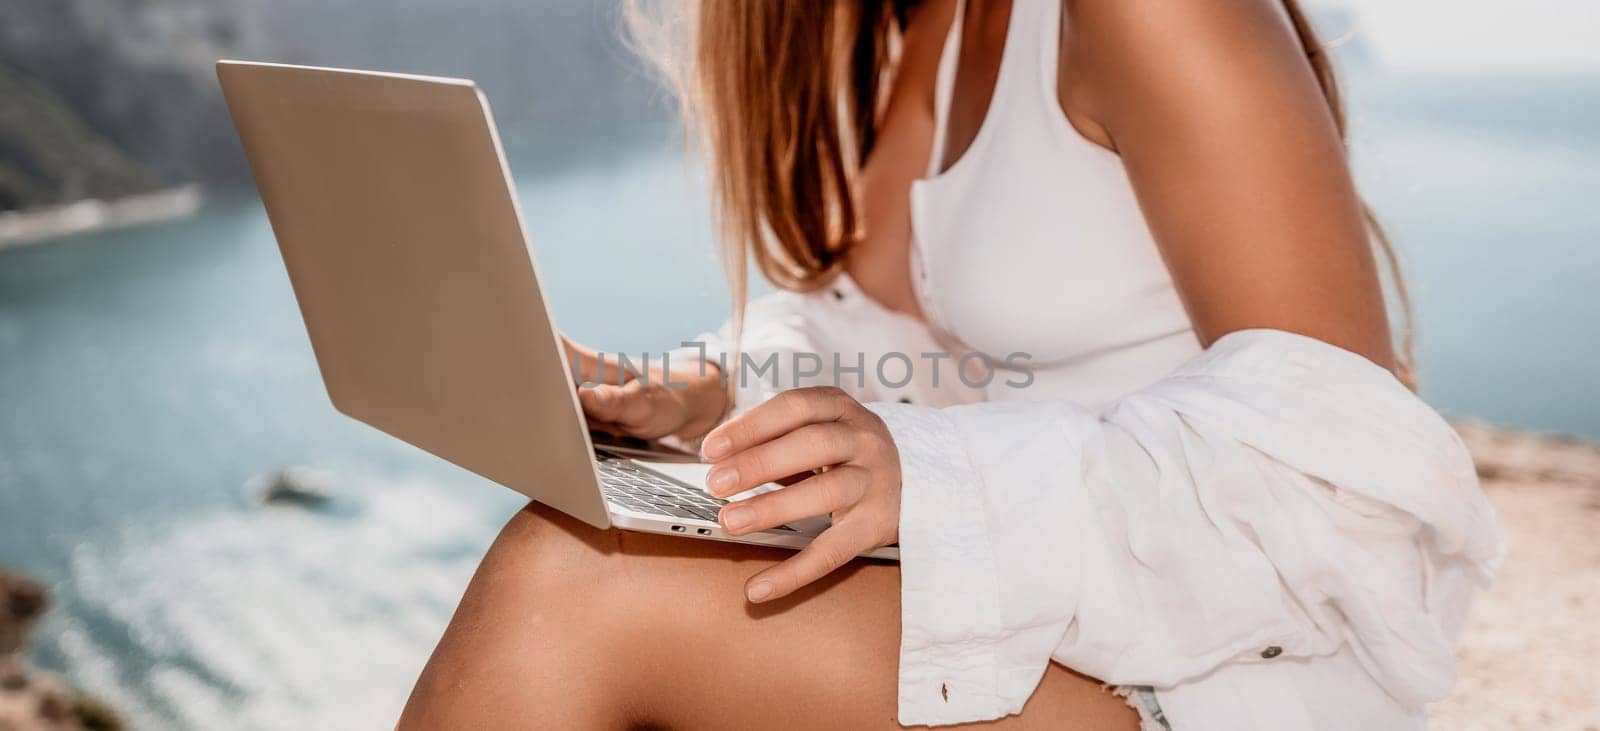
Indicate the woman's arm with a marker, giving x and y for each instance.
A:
(1236, 162)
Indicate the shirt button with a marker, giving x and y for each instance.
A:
(1271, 652)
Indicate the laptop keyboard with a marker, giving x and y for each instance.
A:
(630, 486)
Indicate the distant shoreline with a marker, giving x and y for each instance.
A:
(41, 225)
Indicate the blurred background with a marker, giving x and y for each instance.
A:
(155, 375)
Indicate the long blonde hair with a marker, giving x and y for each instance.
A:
(783, 98)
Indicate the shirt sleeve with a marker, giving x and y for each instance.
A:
(1276, 498)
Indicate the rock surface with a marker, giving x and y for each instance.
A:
(138, 74)
(31, 700)
(1531, 646)
(49, 155)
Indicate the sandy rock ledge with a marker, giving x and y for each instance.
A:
(1531, 646)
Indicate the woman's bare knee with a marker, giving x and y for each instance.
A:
(522, 645)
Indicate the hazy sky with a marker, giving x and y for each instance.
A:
(1478, 35)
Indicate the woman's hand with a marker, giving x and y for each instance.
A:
(858, 480)
(623, 404)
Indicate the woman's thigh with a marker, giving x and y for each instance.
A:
(571, 627)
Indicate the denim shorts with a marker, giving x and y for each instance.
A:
(1143, 700)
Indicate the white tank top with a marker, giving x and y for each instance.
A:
(1032, 240)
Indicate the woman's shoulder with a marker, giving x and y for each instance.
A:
(1124, 53)
(1185, 25)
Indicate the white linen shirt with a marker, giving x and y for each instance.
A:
(1276, 535)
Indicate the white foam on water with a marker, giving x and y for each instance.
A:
(276, 617)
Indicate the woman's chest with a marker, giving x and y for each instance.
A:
(1014, 253)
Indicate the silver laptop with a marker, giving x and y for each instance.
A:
(394, 209)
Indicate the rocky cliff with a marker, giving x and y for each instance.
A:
(98, 98)
(31, 700)
(48, 154)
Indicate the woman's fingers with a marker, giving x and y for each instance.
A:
(780, 415)
(806, 448)
(798, 430)
(585, 363)
(822, 494)
(611, 404)
(590, 366)
(634, 408)
(830, 550)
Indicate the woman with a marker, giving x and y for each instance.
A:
(1214, 504)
